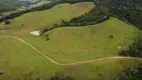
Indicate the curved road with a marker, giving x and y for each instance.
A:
(75, 63)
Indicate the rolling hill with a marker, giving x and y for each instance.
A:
(81, 52)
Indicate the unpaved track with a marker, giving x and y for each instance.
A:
(75, 63)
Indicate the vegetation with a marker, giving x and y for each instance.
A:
(43, 7)
(126, 10)
(9, 5)
(7, 22)
(99, 70)
(88, 42)
(59, 76)
(96, 15)
(26, 64)
(84, 43)
(132, 73)
(20, 62)
(135, 50)
(70, 44)
(41, 19)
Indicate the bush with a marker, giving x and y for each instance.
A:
(111, 36)
(7, 22)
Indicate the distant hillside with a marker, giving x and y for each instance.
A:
(8, 5)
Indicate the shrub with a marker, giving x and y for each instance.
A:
(7, 22)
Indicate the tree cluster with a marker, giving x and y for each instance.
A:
(132, 73)
(135, 50)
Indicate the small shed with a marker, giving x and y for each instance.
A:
(36, 33)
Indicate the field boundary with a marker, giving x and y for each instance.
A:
(74, 63)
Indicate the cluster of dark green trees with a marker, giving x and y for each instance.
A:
(135, 50)
(132, 73)
(98, 14)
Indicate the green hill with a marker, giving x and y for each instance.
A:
(88, 42)
(80, 52)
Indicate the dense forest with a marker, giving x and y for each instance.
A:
(132, 73)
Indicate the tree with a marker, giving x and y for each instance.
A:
(55, 25)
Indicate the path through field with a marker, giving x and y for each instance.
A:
(75, 63)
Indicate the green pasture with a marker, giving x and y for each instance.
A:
(65, 45)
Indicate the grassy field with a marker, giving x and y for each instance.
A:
(20, 61)
(41, 19)
(17, 59)
(101, 70)
(65, 45)
(71, 44)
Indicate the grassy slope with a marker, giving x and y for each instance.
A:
(46, 18)
(96, 38)
(19, 62)
(17, 59)
(101, 70)
(84, 43)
